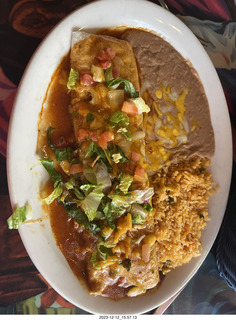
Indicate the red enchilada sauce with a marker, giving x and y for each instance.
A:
(74, 241)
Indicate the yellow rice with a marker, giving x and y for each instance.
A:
(181, 210)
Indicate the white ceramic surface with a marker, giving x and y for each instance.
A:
(26, 175)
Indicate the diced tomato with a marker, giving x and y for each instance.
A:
(76, 168)
(82, 135)
(105, 137)
(111, 53)
(107, 54)
(93, 136)
(61, 143)
(109, 135)
(102, 142)
(140, 173)
(86, 79)
(116, 71)
(135, 156)
(102, 55)
(105, 64)
(105, 57)
(129, 108)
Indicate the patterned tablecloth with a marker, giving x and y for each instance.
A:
(23, 24)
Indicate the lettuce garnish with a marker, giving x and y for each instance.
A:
(119, 118)
(54, 175)
(19, 216)
(125, 183)
(128, 86)
(91, 202)
(61, 154)
(73, 79)
(54, 195)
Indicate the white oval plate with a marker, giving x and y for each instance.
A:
(26, 175)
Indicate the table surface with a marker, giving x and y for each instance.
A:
(23, 24)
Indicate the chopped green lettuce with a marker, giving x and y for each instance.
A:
(141, 105)
(110, 213)
(104, 251)
(116, 154)
(80, 217)
(102, 175)
(73, 79)
(139, 214)
(108, 74)
(141, 196)
(89, 175)
(125, 183)
(55, 176)
(119, 118)
(135, 196)
(61, 154)
(54, 195)
(19, 216)
(147, 207)
(87, 188)
(128, 86)
(91, 202)
(126, 133)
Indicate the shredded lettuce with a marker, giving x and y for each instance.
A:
(87, 188)
(102, 175)
(128, 86)
(55, 176)
(73, 79)
(136, 196)
(116, 154)
(104, 251)
(147, 207)
(61, 154)
(108, 74)
(125, 183)
(98, 73)
(126, 133)
(91, 202)
(80, 217)
(141, 196)
(119, 118)
(54, 195)
(110, 213)
(95, 150)
(19, 216)
(69, 185)
(79, 195)
(139, 214)
(90, 175)
(141, 105)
